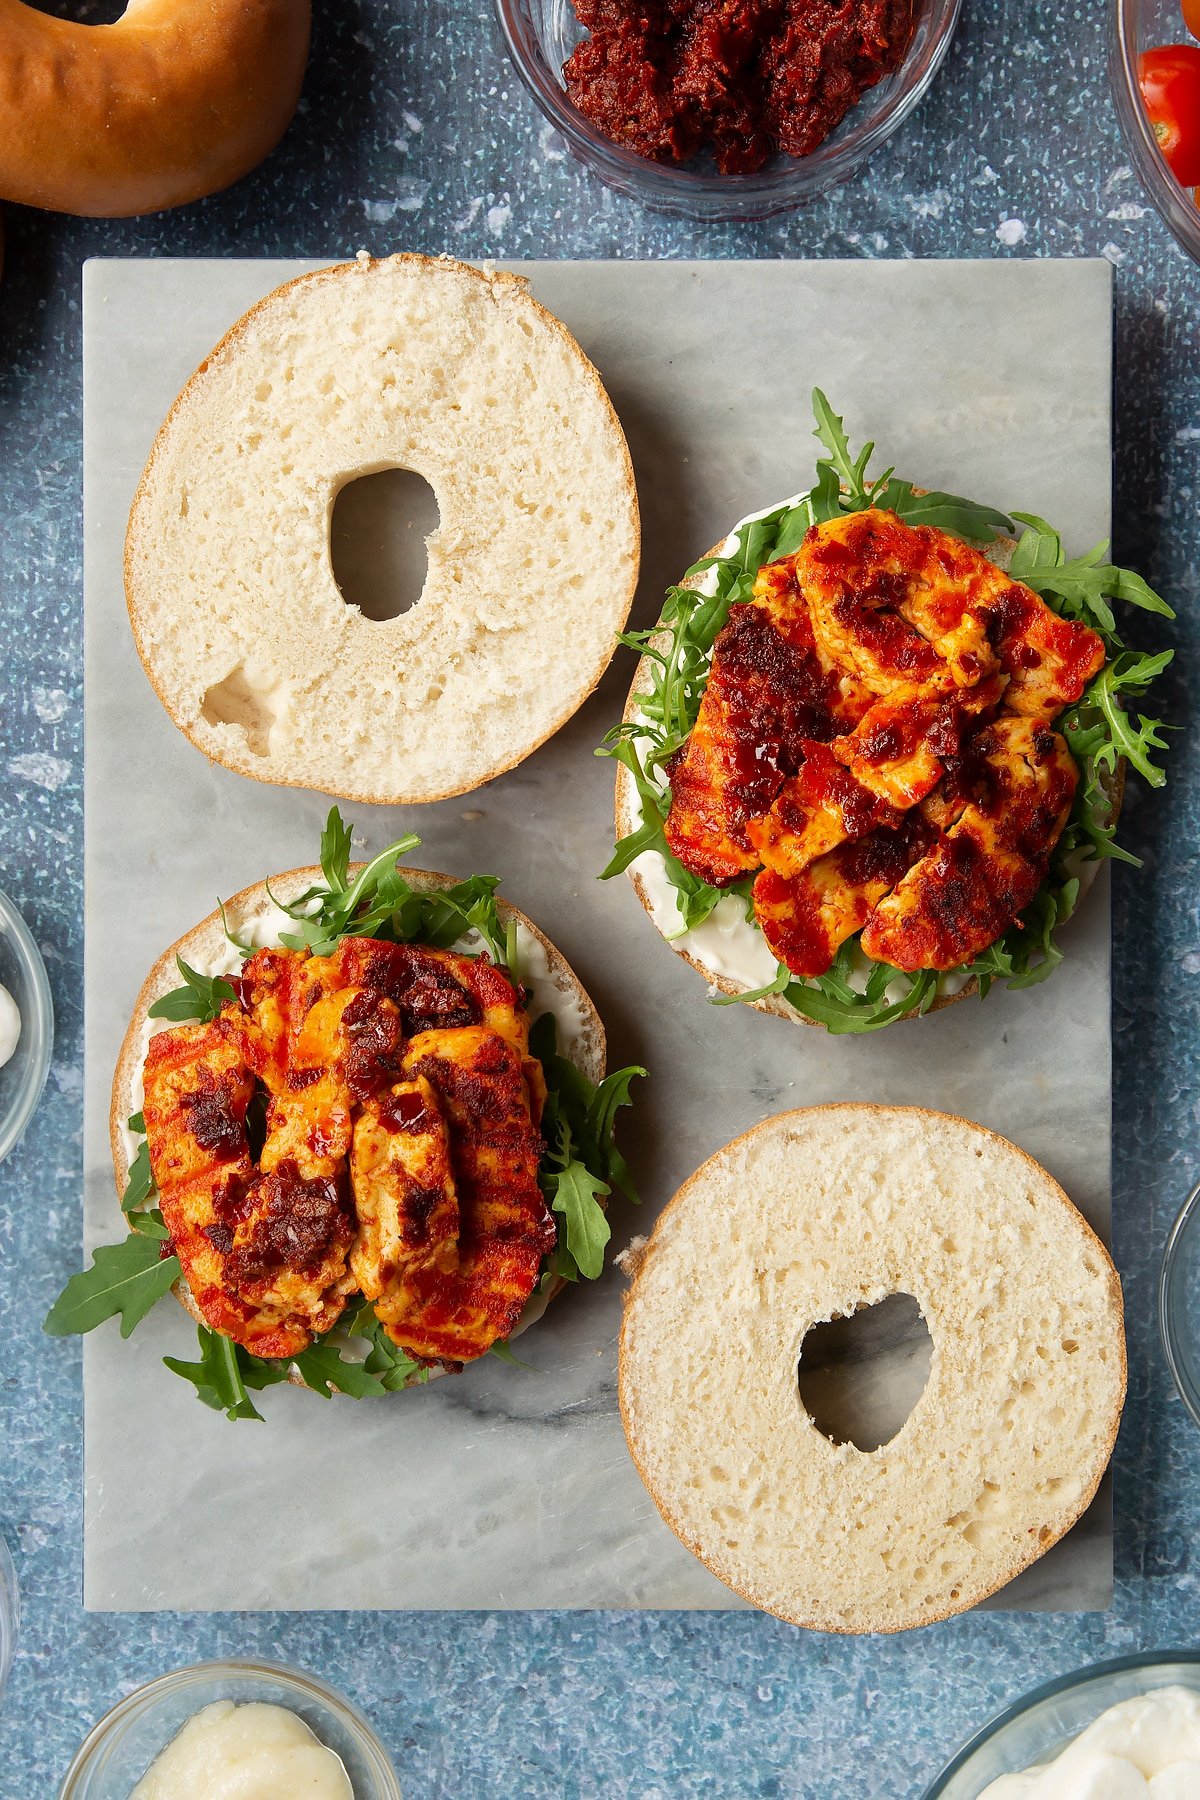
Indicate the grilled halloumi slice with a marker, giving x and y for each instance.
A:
(453, 1314)
(405, 1197)
(975, 617)
(1018, 786)
(769, 688)
(807, 916)
(263, 1254)
(855, 571)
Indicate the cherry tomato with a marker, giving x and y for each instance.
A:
(1191, 16)
(1170, 82)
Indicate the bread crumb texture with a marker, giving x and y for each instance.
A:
(816, 1214)
(415, 363)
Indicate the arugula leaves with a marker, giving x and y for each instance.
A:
(582, 1162)
(124, 1280)
(201, 996)
(380, 903)
(1101, 730)
(224, 1372)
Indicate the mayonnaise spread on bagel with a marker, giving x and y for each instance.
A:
(253, 1752)
(727, 942)
(1148, 1746)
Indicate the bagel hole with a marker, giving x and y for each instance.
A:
(377, 534)
(860, 1377)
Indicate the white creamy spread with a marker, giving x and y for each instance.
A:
(1147, 1746)
(727, 942)
(10, 1026)
(253, 1752)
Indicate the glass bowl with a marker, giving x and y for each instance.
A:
(10, 1613)
(117, 1752)
(541, 34)
(1179, 1302)
(1134, 26)
(1045, 1721)
(23, 1076)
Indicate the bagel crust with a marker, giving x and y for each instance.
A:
(207, 941)
(416, 363)
(176, 99)
(811, 1216)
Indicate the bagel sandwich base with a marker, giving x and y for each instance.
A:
(174, 100)
(251, 914)
(416, 363)
(813, 1215)
(648, 878)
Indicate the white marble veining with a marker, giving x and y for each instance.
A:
(503, 1488)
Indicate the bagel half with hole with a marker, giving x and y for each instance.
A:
(884, 783)
(811, 1216)
(414, 363)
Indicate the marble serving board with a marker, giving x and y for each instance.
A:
(505, 1487)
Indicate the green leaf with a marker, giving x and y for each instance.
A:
(149, 1224)
(581, 1161)
(125, 1279)
(335, 851)
(502, 1350)
(964, 519)
(224, 1373)
(140, 1185)
(1137, 740)
(323, 1368)
(1082, 587)
(200, 998)
(574, 1194)
(850, 471)
(393, 1366)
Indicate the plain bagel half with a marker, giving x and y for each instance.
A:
(174, 100)
(812, 1216)
(552, 983)
(414, 363)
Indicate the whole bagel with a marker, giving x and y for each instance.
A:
(176, 99)
(812, 1216)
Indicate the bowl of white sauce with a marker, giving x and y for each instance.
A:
(26, 1025)
(254, 1730)
(1125, 1730)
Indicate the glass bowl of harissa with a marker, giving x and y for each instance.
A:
(541, 36)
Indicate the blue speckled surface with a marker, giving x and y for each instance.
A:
(415, 134)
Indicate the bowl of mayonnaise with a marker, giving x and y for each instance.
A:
(26, 1025)
(1125, 1730)
(255, 1730)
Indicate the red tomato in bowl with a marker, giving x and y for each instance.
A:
(1169, 79)
(1191, 16)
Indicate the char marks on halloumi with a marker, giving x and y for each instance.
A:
(875, 674)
